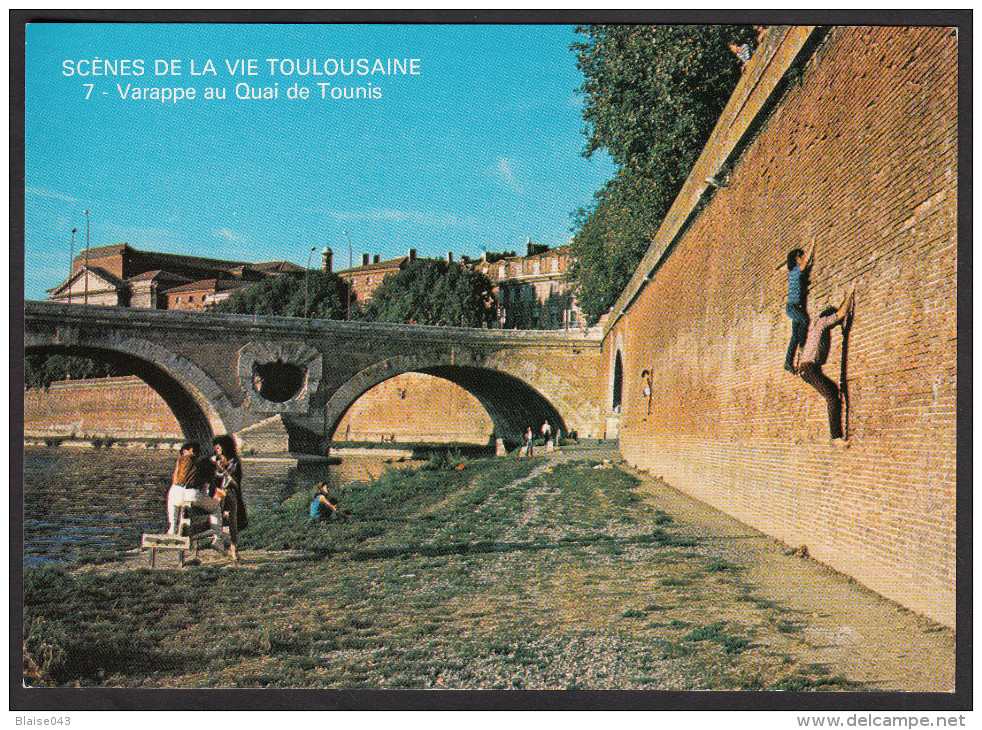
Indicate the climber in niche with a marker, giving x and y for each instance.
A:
(816, 351)
(646, 389)
(799, 266)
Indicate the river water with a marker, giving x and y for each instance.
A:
(83, 498)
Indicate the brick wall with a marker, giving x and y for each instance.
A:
(123, 407)
(861, 154)
(416, 407)
(412, 407)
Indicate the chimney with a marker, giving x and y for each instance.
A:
(449, 257)
(412, 254)
(376, 259)
(328, 257)
(364, 259)
(528, 245)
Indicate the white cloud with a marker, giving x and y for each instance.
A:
(51, 194)
(419, 218)
(505, 175)
(227, 234)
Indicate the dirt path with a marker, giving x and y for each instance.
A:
(853, 630)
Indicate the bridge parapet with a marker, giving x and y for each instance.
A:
(259, 325)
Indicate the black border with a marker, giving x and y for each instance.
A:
(50, 700)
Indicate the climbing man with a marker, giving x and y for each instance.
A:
(816, 351)
(799, 265)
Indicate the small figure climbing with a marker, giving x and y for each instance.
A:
(815, 353)
(799, 265)
(646, 389)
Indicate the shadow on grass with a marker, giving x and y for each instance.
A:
(658, 538)
(90, 663)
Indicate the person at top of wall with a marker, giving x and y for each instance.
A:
(799, 265)
(228, 487)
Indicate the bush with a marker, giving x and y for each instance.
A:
(45, 650)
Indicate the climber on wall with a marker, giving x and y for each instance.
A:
(799, 265)
(816, 351)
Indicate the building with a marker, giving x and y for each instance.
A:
(120, 275)
(532, 290)
(363, 279)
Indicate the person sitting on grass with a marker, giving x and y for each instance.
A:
(816, 351)
(326, 507)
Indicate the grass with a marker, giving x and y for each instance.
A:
(446, 577)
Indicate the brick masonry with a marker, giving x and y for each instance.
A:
(861, 154)
(121, 407)
(411, 407)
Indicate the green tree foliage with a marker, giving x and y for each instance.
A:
(433, 291)
(318, 295)
(652, 95)
(40, 371)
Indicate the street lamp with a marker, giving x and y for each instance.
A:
(86, 257)
(306, 282)
(350, 281)
(71, 264)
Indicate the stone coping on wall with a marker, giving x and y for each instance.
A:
(65, 315)
(782, 49)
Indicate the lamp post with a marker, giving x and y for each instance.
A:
(71, 265)
(306, 284)
(351, 263)
(86, 257)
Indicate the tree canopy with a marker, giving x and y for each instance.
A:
(652, 95)
(435, 292)
(317, 294)
(40, 371)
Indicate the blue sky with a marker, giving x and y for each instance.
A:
(481, 148)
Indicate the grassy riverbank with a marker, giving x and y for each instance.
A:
(503, 573)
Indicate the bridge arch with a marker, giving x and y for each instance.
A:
(189, 392)
(512, 404)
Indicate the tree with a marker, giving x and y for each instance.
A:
(317, 294)
(652, 95)
(40, 371)
(435, 292)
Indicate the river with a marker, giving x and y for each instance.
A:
(79, 499)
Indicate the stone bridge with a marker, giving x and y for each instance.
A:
(260, 376)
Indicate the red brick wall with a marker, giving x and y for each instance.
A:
(412, 407)
(124, 407)
(860, 154)
(416, 407)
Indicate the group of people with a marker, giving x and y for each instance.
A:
(546, 431)
(212, 483)
(811, 339)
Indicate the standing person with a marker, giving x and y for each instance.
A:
(228, 472)
(528, 442)
(546, 431)
(815, 353)
(189, 484)
(799, 265)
